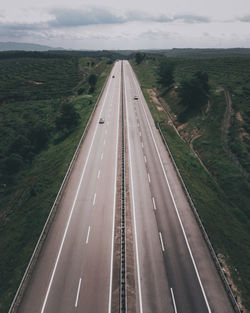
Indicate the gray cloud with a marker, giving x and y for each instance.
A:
(189, 18)
(91, 16)
(22, 26)
(95, 16)
(245, 18)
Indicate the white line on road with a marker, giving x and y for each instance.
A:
(104, 142)
(145, 159)
(106, 131)
(149, 178)
(162, 245)
(142, 145)
(78, 291)
(102, 156)
(133, 206)
(94, 199)
(72, 208)
(114, 209)
(87, 239)
(173, 298)
(153, 199)
(140, 134)
(98, 175)
(175, 206)
(138, 124)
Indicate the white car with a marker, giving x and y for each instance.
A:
(135, 97)
(101, 120)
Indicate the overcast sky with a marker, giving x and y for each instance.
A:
(127, 24)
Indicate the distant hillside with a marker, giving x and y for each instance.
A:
(6, 46)
(202, 53)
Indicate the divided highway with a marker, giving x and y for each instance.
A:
(174, 272)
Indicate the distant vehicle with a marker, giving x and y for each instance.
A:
(135, 97)
(113, 76)
(101, 120)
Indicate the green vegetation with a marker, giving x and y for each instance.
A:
(218, 180)
(139, 57)
(44, 108)
(166, 73)
(193, 94)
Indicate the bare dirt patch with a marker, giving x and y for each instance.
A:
(227, 272)
(182, 126)
(239, 117)
(35, 82)
(153, 96)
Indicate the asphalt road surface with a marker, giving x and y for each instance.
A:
(74, 271)
(175, 272)
(173, 268)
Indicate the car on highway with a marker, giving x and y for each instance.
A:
(101, 120)
(135, 97)
(113, 76)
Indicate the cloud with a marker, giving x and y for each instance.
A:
(245, 18)
(190, 19)
(89, 16)
(96, 16)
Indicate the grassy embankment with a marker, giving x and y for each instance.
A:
(32, 92)
(221, 195)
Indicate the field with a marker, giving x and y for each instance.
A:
(37, 142)
(213, 152)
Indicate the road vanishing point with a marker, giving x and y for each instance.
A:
(168, 266)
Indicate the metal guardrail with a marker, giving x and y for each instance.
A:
(123, 287)
(29, 270)
(204, 233)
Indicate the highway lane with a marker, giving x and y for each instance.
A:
(74, 270)
(174, 267)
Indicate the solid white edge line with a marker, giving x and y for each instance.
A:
(153, 199)
(87, 239)
(78, 292)
(114, 207)
(176, 209)
(73, 206)
(173, 299)
(94, 199)
(149, 178)
(162, 245)
(133, 206)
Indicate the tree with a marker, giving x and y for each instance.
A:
(203, 79)
(193, 93)
(68, 117)
(166, 73)
(92, 79)
(139, 57)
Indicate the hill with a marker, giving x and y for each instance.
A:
(9, 46)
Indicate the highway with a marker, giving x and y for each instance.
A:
(74, 270)
(174, 272)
